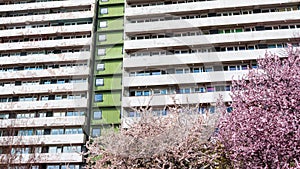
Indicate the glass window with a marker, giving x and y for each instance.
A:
(212, 109)
(229, 109)
(99, 82)
(146, 93)
(39, 132)
(103, 11)
(96, 132)
(53, 167)
(100, 66)
(103, 24)
(97, 115)
(208, 69)
(138, 93)
(57, 131)
(163, 91)
(179, 71)
(101, 52)
(131, 114)
(102, 38)
(187, 90)
(98, 97)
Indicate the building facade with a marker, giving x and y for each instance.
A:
(107, 73)
(188, 51)
(45, 51)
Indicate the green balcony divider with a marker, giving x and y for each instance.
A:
(111, 38)
(113, 11)
(110, 99)
(111, 67)
(110, 83)
(109, 116)
(112, 52)
(112, 24)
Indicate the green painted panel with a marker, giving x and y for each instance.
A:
(109, 116)
(113, 11)
(111, 38)
(111, 67)
(111, 24)
(112, 52)
(110, 83)
(109, 99)
(111, 2)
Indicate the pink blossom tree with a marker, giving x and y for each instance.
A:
(263, 131)
(178, 140)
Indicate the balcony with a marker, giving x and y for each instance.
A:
(46, 30)
(219, 57)
(189, 78)
(45, 88)
(46, 158)
(43, 139)
(46, 44)
(44, 5)
(163, 100)
(46, 17)
(42, 58)
(77, 71)
(50, 104)
(210, 39)
(197, 6)
(212, 21)
(43, 122)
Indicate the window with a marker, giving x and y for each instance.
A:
(53, 167)
(103, 24)
(102, 38)
(97, 115)
(147, 93)
(99, 82)
(103, 11)
(57, 131)
(98, 97)
(96, 132)
(104, 0)
(100, 66)
(101, 52)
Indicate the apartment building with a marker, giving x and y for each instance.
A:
(107, 73)
(188, 51)
(45, 51)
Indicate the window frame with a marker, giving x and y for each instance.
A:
(99, 117)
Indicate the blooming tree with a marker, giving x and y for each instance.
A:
(178, 140)
(263, 131)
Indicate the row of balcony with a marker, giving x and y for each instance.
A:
(43, 58)
(46, 30)
(205, 58)
(184, 99)
(198, 6)
(45, 88)
(45, 44)
(47, 158)
(189, 78)
(46, 17)
(44, 122)
(44, 5)
(25, 74)
(212, 21)
(210, 39)
(42, 105)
